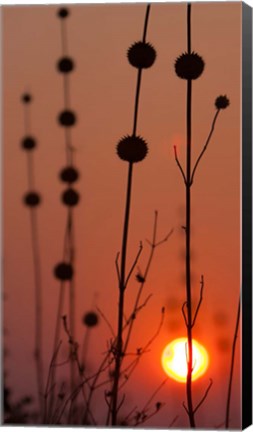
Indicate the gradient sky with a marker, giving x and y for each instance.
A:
(102, 94)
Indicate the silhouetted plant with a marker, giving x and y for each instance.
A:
(32, 199)
(131, 149)
(190, 66)
(64, 271)
(232, 365)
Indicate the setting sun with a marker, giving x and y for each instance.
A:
(174, 360)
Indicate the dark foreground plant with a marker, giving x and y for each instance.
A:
(32, 200)
(232, 365)
(131, 149)
(64, 271)
(190, 66)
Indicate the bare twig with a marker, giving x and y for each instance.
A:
(205, 146)
(232, 365)
(204, 397)
(185, 407)
(200, 299)
(134, 264)
(183, 312)
(48, 383)
(153, 245)
(117, 265)
(179, 165)
(107, 321)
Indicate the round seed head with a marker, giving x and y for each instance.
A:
(189, 66)
(90, 319)
(32, 199)
(63, 13)
(141, 55)
(67, 118)
(69, 175)
(65, 65)
(222, 102)
(70, 197)
(132, 149)
(26, 98)
(63, 271)
(28, 143)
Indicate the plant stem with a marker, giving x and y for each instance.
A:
(38, 308)
(122, 279)
(188, 234)
(118, 355)
(232, 365)
(37, 275)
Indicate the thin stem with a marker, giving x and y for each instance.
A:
(189, 28)
(122, 283)
(37, 273)
(232, 366)
(118, 355)
(146, 23)
(38, 307)
(179, 164)
(204, 397)
(205, 146)
(200, 300)
(188, 234)
(137, 97)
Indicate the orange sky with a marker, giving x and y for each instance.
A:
(102, 94)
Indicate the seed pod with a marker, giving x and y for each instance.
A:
(222, 102)
(63, 13)
(189, 66)
(32, 199)
(26, 98)
(63, 271)
(141, 55)
(90, 319)
(69, 175)
(132, 149)
(70, 197)
(67, 118)
(65, 65)
(28, 143)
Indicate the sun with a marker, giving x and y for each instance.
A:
(174, 359)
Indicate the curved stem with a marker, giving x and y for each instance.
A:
(205, 146)
(232, 366)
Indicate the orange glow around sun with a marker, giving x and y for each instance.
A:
(174, 360)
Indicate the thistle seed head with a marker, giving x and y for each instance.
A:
(189, 66)
(141, 55)
(132, 149)
(222, 102)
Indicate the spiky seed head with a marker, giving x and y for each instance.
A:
(65, 65)
(222, 102)
(69, 174)
(70, 197)
(132, 149)
(67, 118)
(28, 143)
(63, 13)
(141, 55)
(63, 271)
(26, 98)
(90, 319)
(32, 199)
(189, 66)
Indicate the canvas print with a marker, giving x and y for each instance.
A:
(122, 213)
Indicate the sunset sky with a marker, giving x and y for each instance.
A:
(102, 89)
